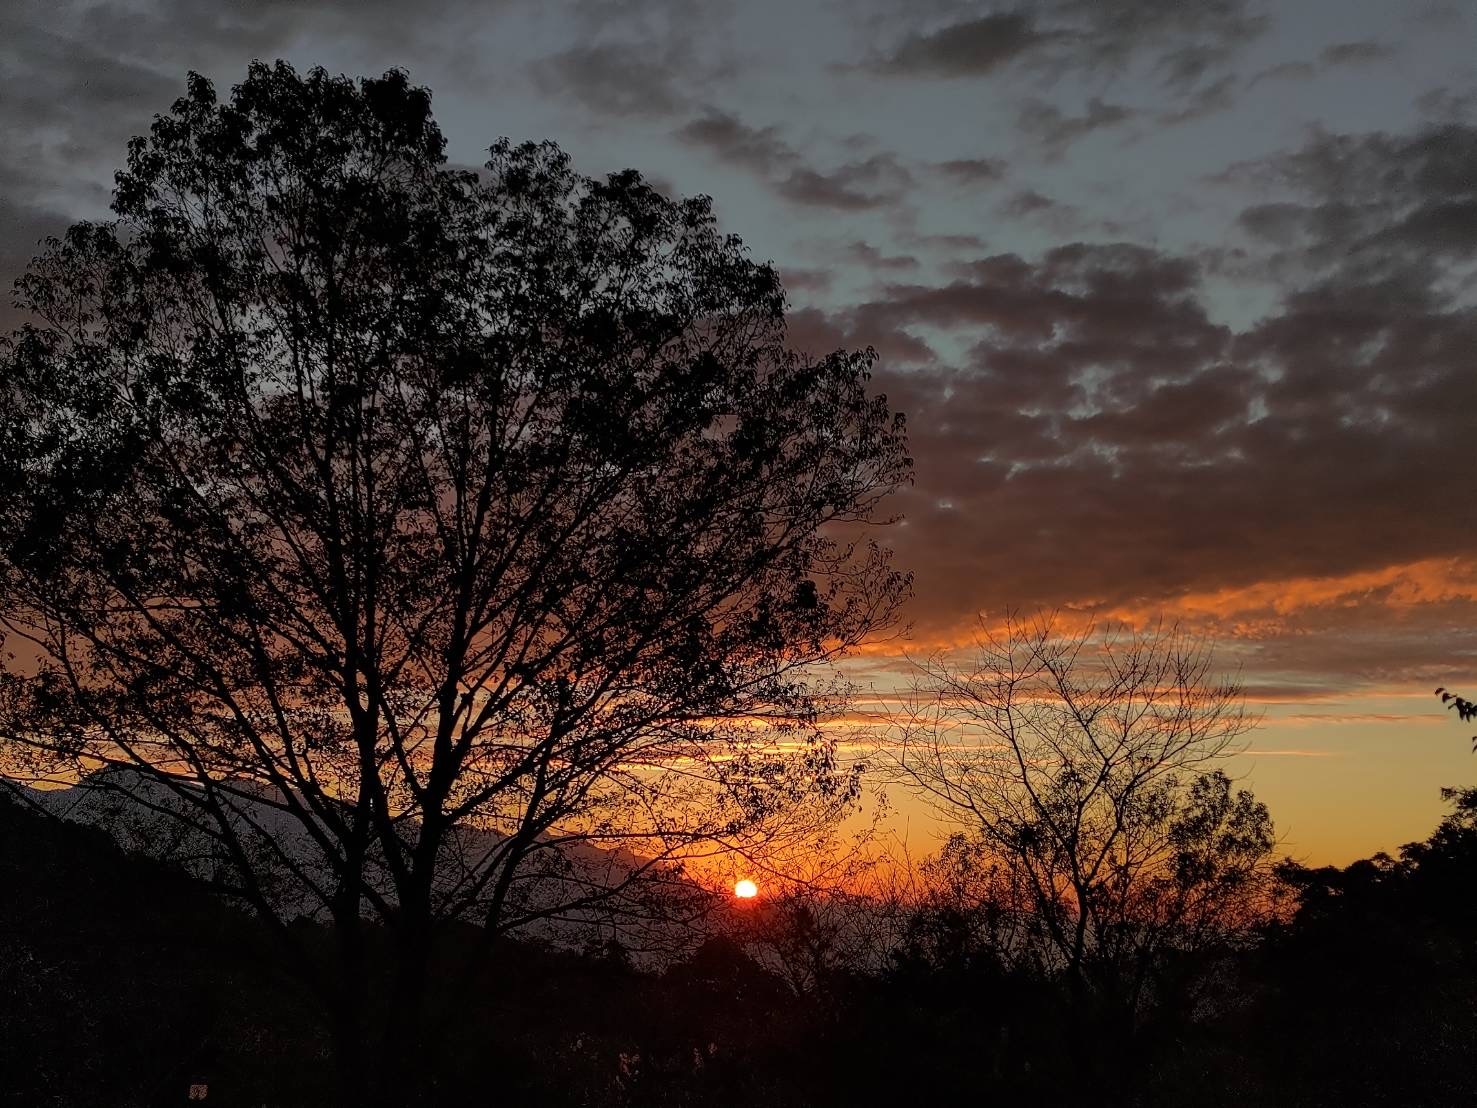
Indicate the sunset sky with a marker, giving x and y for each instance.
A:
(1177, 295)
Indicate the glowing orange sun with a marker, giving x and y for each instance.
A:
(745, 889)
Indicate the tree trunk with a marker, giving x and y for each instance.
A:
(350, 1039)
(407, 1053)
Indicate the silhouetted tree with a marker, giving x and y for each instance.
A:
(1465, 709)
(1365, 995)
(406, 532)
(1097, 843)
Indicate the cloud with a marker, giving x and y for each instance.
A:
(1439, 15)
(1303, 692)
(615, 78)
(1028, 202)
(83, 77)
(23, 226)
(1088, 432)
(1345, 719)
(1357, 53)
(1028, 205)
(1054, 130)
(877, 181)
(1335, 56)
(758, 150)
(1373, 207)
(950, 243)
(1182, 45)
(806, 280)
(637, 57)
(1106, 444)
(1120, 289)
(1204, 101)
(1180, 40)
(865, 254)
(1284, 71)
(71, 105)
(816, 332)
(1447, 105)
(972, 171)
(967, 49)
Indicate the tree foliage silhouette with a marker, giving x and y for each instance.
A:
(1466, 710)
(1372, 977)
(406, 530)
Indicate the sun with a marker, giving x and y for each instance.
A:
(745, 889)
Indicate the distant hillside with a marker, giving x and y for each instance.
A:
(123, 981)
(661, 912)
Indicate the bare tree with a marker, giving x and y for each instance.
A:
(1095, 834)
(425, 544)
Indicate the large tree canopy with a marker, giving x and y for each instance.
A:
(357, 500)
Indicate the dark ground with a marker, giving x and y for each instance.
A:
(122, 983)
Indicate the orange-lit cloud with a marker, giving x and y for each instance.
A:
(1260, 607)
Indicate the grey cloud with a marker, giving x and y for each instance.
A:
(972, 171)
(1440, 15)
(1284, 71)
(1337, 55)
(1447, 105)
(1101, 399)
(637, 57)
(865, 254)
(759, 150)
(1186, 37)
(1357, 53)
(813, 331)
(1320, 651)
(70, 107)
(1028, 202)
(1183, 68)
(1065, 220)
(1140, 297)
(873, 182)
(1204, 101)
(613, 79)
(1374, 206)
(967, 49)
(1054, 130)
(951, 243)
(806, 280)
(23, 227)
(82, 78)
(1182, 40)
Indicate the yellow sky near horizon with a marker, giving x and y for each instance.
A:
(1344, 774)
(1352, 748)
(1339, 788)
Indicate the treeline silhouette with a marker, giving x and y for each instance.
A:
(125, 981)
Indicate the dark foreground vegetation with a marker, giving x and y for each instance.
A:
(123, 982)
